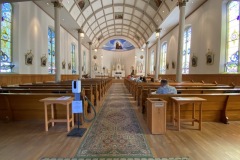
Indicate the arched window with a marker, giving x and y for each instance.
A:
(6, 38)
(232, 58)
(73, 59)
(152, 63)
(163, 58)
(186, 50)
(51, 51)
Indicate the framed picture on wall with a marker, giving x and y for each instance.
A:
(209, 58)
(29, 58)
(194, 61)
(63, 64)
(43, 61)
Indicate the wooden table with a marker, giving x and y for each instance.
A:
(66, 101)
(178, 101)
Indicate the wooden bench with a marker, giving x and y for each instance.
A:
(219, 107)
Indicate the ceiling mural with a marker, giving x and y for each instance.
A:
(118, 45)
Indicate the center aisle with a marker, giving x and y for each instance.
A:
(116, 131)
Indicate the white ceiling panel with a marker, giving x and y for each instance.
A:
(110, 22)
(146, 19)
(136, 20)
(138, 14)
(91, 36)
(130, 2)
(96, 5)
(108, 10)
(134, 25)
(133, 30)
(85, 27)
(111, 27)
(125, 27)
(143, 25)
(68, 4)
(118, 9)
(104, 30)
(118, 1)
(112, 34)
(145, 36)
(149, 32)
(118, 26)
(91, 20)
(141, 30)
(80, 20)
(89, 32)
(118, 21)
(126, 22)
(96, 30)
(150, 11)
(99, 14)
(163, 11)
(140, 5)
(111, 31)
(125, 30)
(87, 12)
(75, 12)
(106, 3)
(157, 19)
(128, 10)
(171, 4)
(109, 17)
(103, 25)
(101, 20)
(94, 25)
(127, 16)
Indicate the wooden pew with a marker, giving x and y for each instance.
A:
(219, 107)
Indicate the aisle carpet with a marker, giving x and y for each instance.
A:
(116, 131)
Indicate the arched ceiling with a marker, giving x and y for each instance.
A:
(134, 19)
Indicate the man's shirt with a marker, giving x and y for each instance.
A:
(166, 90)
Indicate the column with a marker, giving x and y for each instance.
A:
(182, 5)
(146, 59)
(57, 7)
(90, 59)
(80, 36)
(157, 55)
(0, 31)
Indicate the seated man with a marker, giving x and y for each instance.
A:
(165, 88)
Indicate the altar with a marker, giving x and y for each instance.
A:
(118, 71)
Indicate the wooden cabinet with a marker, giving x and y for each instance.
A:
(156, 115)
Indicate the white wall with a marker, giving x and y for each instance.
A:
(206, 23)
(30, 32)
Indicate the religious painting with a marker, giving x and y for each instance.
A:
(69, 66)
(194, 61)
(29, 58)
(173, 65)
(43, 61)
(209, 58)
(118, 45)
(63, 64)
(141, 57)
(94, 57)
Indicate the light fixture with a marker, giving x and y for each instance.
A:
(95, 49)
(157, 33)
(142, 49)
(81, 35)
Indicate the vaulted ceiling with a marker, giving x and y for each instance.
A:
(135, 19)
(103, 19)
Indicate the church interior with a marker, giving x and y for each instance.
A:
(78, 79)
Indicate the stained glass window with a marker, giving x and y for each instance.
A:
(232, 58)
(163, 58)
(152, 63)
(51, 51)
(6, 38)
(73, 59)
(186, 50)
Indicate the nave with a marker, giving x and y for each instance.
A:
(25, 140)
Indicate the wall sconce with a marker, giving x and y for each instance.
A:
(95, 49)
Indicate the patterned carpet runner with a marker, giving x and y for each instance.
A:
(116, 131)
